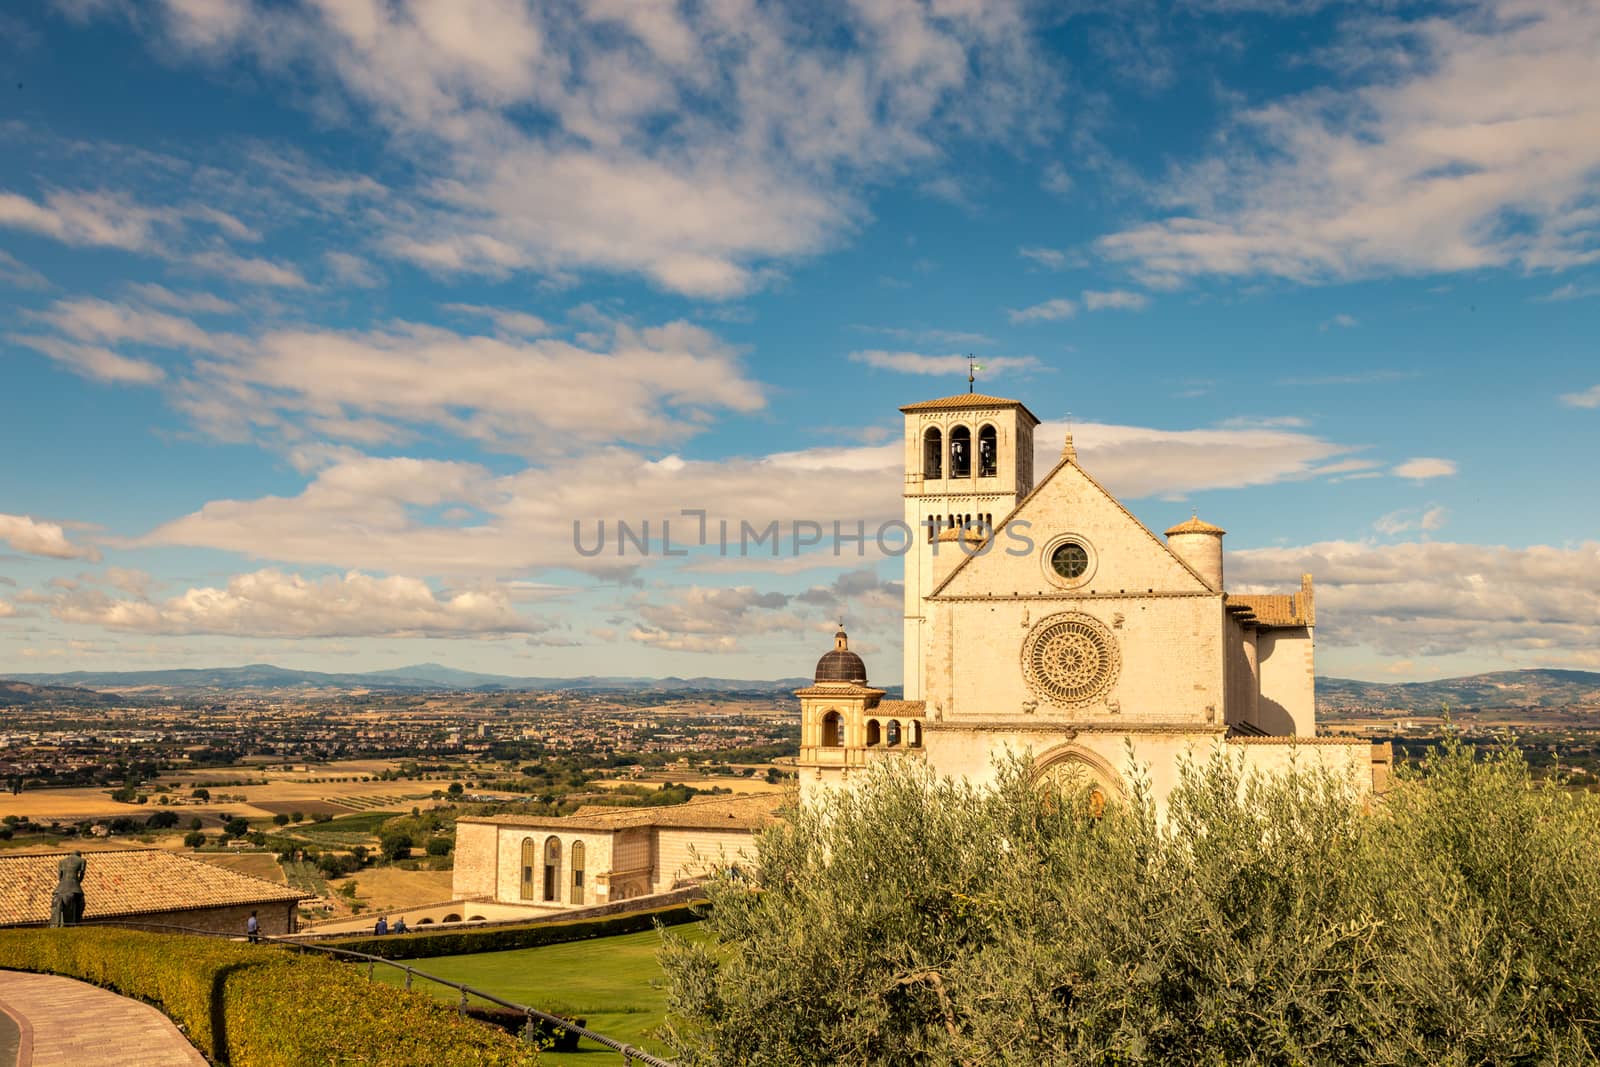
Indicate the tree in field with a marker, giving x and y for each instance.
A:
(395, 845)
(193, 839)
(1260, 921)
(237, 826)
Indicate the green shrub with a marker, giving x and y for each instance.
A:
(264, 1006)
(918, 920)
(417, 945)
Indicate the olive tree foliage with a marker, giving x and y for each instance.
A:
(1254, 920)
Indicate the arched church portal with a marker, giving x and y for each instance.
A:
(1074, 771)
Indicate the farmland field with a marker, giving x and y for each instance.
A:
(613, 982)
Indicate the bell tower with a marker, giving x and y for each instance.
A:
(969, 459)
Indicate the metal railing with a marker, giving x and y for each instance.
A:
(630, 1053)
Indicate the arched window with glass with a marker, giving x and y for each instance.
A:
(530, 861)
(577, 872)
(552, 869)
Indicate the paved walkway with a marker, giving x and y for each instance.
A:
(66, 1023)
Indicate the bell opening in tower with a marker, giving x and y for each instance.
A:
(960, 452)
(932, 453)
(988, 453)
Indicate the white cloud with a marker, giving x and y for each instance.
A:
(96, 219)
(19, 275)
(953, 365)
(723, 618)
(270, 603)
(251, 269)
(348, 269)
(516, 323)
(1441, 598)
(1048, 311)
(640, 384)
(102, 321)
(94, 361)
(692, 145)
(33, 537)
(192, 302)
(1588, 398)
(358, 509)
(1054, 258)
(1341, 320)
(1474, 141)
(929, 336)
(1422, 468)
(1056, 180)
(1570, 291)
(1120, 299)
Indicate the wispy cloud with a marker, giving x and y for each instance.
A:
(1588, 398)
(1469, 144)
(1116, 299)
(1341, 320)
(1423, 468)
(634, 177)
(1048, 311)
(916, 363)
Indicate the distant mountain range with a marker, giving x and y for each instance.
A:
(1530, 688)
(16, 693)
(425, 677)
(1497, 689)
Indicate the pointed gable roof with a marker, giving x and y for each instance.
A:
(1038, 494)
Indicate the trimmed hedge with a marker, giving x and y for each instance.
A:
(263, 1006)
(418, 946)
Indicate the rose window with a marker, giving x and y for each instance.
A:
(1070, 660)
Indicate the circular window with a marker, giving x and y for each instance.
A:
(1070, 560)
(1070, 660)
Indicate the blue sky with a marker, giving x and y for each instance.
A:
(322, 322)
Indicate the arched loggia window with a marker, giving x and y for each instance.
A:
(933, 453)
(832, 730)
(891, 733)
(873, 736)
(988, 453)
(960, 452)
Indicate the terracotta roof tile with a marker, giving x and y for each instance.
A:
(966, 401)
(1194, 525)
(131, 882)
(900, 707)
(747, 812)
(1270, 609)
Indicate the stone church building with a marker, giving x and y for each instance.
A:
(1043, 617)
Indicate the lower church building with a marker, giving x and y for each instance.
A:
(1044, 618)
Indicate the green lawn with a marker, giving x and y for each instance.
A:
(613, 982)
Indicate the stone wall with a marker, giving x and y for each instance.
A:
(475, 872)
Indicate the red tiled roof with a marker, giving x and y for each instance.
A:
(130, 882)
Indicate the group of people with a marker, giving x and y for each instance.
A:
(382, 926)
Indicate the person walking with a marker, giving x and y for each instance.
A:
(252, 928)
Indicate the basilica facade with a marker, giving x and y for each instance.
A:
(1042, 617)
